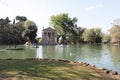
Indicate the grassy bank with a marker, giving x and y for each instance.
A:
(49, 70)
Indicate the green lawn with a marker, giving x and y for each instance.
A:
(49, 70)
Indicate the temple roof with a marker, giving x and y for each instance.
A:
(49, 29)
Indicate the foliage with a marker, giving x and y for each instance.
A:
(64, 25)
(39, 39)
(15, 33)
(30, 30)
(106, 38)
(77, 36)
(21, 18)
(93, 35)
(115, 31)
(88, 35)
(28, 23)
(98, 35)
(10, 33)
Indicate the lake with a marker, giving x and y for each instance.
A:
(100, 55)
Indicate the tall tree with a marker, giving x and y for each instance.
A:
(115, 31)
(93, 35)
(4, 28)
(63, 24)
(10, 33)
(106, 38)
(88, 35)
(98, 35)
(30, 30)
(76, 37)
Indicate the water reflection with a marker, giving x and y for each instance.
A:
(100, 55)
(39, 52)
(115, 56)
(115, 51)
(17, 54)
(107, 56)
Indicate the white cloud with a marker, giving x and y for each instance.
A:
(90, 8)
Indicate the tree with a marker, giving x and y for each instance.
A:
(20, 24)
(98, 35)
(30, 30)
(106, 38)
(77, 36)
(115, 31)
(93, 35)
(10, 33)
(88, 35)
(16, 32)
(21, 18)
(63, 24)
(4, 28)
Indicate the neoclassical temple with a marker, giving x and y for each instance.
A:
(49, 36)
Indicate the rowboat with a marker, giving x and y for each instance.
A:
(14, 48)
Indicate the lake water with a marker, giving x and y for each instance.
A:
(102, 55)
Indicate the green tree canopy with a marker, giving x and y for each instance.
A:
(98, 35)
(88, 35)
(63, 23)
(28, 23)
(10, 33)
(76, 37)
(93, 35)
(106, 38)
(30, 30)
(21, 18)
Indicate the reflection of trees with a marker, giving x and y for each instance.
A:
(55, 52)
(23, 54)
(79, 53)
(115, 53)
(39, 53)
(30, 52)
(115, 57)
(91, 52)
(48, 51)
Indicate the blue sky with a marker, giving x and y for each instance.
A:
(90, 13)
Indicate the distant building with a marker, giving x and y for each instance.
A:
(49, 36)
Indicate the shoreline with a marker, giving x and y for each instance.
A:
(84, 64)
(75, 62)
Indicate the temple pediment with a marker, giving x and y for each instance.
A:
(49, 29)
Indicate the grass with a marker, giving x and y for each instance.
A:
(49, 70)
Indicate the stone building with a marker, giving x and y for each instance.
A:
(49, 36)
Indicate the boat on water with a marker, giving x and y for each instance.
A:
(63, 45)
(35, 46)
(14, 48)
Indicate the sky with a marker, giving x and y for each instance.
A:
(90, 13)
